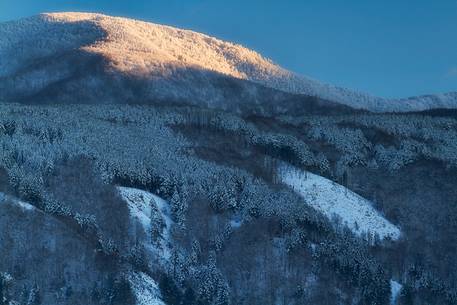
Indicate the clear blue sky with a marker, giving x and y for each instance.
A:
(387, 48)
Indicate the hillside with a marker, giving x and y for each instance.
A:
(142, 164)
(93, 58)
(226, 218)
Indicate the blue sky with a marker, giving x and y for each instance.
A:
(387, 48)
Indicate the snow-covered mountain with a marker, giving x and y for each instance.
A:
(84, 57)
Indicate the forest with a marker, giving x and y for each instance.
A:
(239, 235)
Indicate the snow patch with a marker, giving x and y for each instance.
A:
(395, 289)
(145, 289)
(23, 205)
(235, 224)
(141, 205)
(333, 200)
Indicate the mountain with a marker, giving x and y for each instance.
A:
(93, 58)
(142, 164)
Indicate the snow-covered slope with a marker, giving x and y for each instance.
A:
(333, 200)
(395, 290)
(41, 55)
(153, 215)
(145, 289)
(150, 210)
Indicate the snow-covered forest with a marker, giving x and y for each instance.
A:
(148, 165)
(86, 57)
(185, 205)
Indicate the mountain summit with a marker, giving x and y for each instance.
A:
(85, 57)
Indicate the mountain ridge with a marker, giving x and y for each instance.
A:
(174, 60)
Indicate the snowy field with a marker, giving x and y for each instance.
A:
(333, 200)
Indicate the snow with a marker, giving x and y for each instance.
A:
(26, 207)
(140, 204)
(395, 289)
(161, 52)
(333, 200)
(145, 289)
(235, 223)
